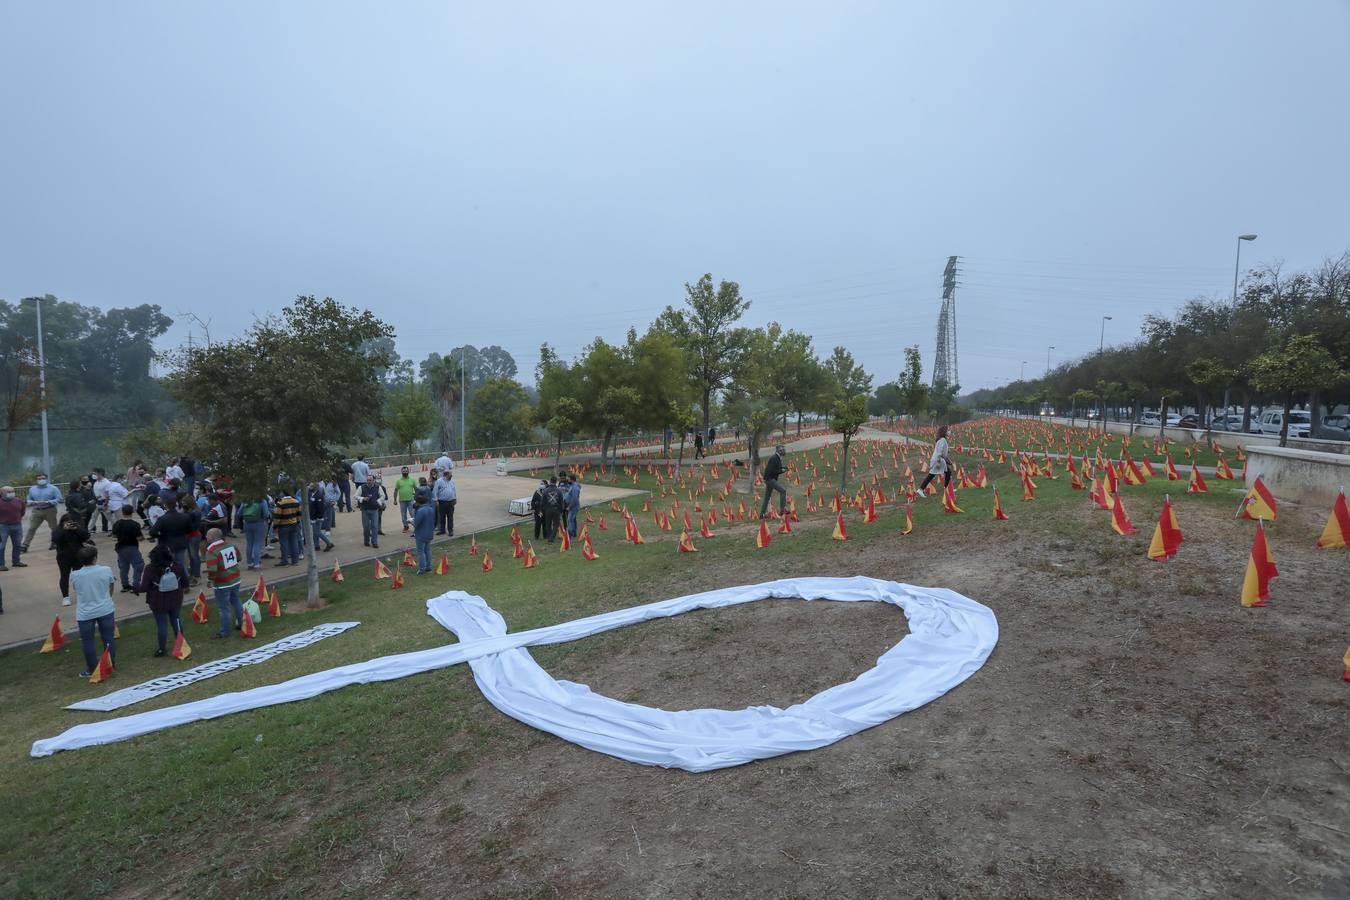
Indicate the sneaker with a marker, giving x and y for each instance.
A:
(20, 565)
(4, 568)
(84, 674)
(65, 601)
(159, 653)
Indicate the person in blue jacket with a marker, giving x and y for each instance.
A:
(424, 529)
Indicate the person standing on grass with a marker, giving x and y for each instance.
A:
(554, 507)
(939, 463)
(773, 470)
(126, 533)
(101, 509)
(286, 520)
(405, 489)
(573, 503)
(537, 507)
(698, 445)
(43, 498)
(70, 537)
(369, 504)
(11, 526)
(163, 581)
(221, 562)
(94, 610)
(446, 495)
(424, 529)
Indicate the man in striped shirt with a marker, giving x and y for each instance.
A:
(286, 520)
(221, 562)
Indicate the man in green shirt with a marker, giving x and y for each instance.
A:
(405, 489)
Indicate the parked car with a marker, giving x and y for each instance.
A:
(1190, 420)
(1327, 432)
(1300, 422)
(1342, 422)
(1226, 423)
(1150, 418)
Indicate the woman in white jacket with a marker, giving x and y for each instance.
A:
(938, 464)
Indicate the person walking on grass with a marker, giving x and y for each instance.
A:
(424, 529)
(369, 503)
(162, 582)
(446, 495)
(126, 533)
(405, 489)
(43, 498)
(939, 463)
(11, 526)
(773, 470)
(221, 562)
(94, 610)
(70, 537)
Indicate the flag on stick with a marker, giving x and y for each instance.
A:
(840, 532)
(1197, 484)
(1337, 532)
(588, 550)
(909, 519)
(248, 630)
(55, 640)
(181, 648)
(530, 558)
(201, 613)
(686, 542)
(999, 514)
(762, 537)
(1119, 521)
(381, 570)
(487, 562)
(1260, 569)
(1259, 502)
(443, 567)
(336, 576)
(103, 671)
(949, 500)
(1166, 534)
(274, 605)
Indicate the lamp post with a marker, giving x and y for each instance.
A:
(1101, 348)
(1023, 375)
(42, 390)
(1237, 262)
(1047, 358)
(463, 402)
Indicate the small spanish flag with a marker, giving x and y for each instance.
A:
(1346, 660)
(337, 572)
(1166, 534)
(248, 630)
(1028, 488)
(1259, 502)
(381, 570)
(181, 648)
(515, 536)
(1222, 471)
(785, 527)
(840, 531)
(55, 640)
(443, 567)
(1337, 532)
(949, 500)
(1260, 569)
(588, 550)
(762, 537)
(566, 541)
(201, 613)
(1197, 484)
(408, 559)
(473, 545)
(274, 605)
(1171, 469)
(531, 560)
(260, 590)
(601, 524)
(909, 519)
(1119, 521)
(870, 514)
(704, 531)
(999, 514)
(632, 531)
(487, 562)
(397, 581)
(687, 543)
(103, 671)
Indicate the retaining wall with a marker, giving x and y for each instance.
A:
(1304, 476)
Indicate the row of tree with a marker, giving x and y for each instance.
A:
(1283, 339)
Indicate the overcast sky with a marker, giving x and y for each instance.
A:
(517, 173)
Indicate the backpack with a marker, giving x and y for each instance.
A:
(556, 499)
(168, 582)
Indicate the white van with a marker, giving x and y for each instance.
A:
(1300, 422)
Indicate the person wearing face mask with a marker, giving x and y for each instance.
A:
(70, 539)
(11, 526)
(378, 479)
(43, 498)
(405, 489)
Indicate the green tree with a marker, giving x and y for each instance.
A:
(941, 398)
(886, 401)
(562, 421)
(288, 391)
(158, 442)
(913, 391)
(1300, 364)
(847, 376)
(443, 379)
(410, 414)
(795, 374)
(715, 347)
(847, 418)
(499, 414)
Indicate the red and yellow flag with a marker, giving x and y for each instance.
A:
(1197, 484)
(201, 613)
(181, 648)
(686, 542)
(1337, 532)
(443, 567)
(840, 532)
(55, 639)
(408, 559)
(487, 562)
(397, 581)
(909, 519)
(1119, 521)
(260, 590)
(518, 551)
(785, 527)
(530, 558)
(103, 671)
(381, 570)
(703, 530)
(473, 545)
(1260, 569)
(870, 513)
(949, 500)
(1259, 502)
(274, 605)
(1222, 471)
(1346, 660)
(999, 514)
(515, 535)
(1166, 534)
(1028, 488)
(248, 630)
(762, 537)
(566, 543)
(633, 534)
(1171, 469)
(601, 524)
(337, 572)
(588, 550)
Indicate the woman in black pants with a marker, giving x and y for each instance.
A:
(939, 464)
(167, 606)
(70, 537)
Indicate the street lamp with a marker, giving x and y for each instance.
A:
(1238, 261)
(1047, 358)
(1023, 375)
(1101, 348)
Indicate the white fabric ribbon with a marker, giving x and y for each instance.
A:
(950, 638)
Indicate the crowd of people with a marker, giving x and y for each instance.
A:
(555, 504)
(190, 521)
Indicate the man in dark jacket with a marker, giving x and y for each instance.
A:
(171, 530)
(537, 507)
(554, 506)
(773, 470)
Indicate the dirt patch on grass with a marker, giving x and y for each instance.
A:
(1135, 733)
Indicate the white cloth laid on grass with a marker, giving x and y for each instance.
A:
(950, 637)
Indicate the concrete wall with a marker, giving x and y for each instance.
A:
(1229, 439)
(1303, 476)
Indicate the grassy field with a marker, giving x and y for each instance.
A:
(363, 790)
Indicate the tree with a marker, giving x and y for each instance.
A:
(847, 377)
(288, 391)
(941, 397)
(1300, 364)
(499, 414)
(1207, 373)
(160, 442)
(442, 377)
(847, 419)
(19, 385)
(913, 391)
(410, 413)
(563, 419)
(682, 418)
(707, 331)
(886, 401)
